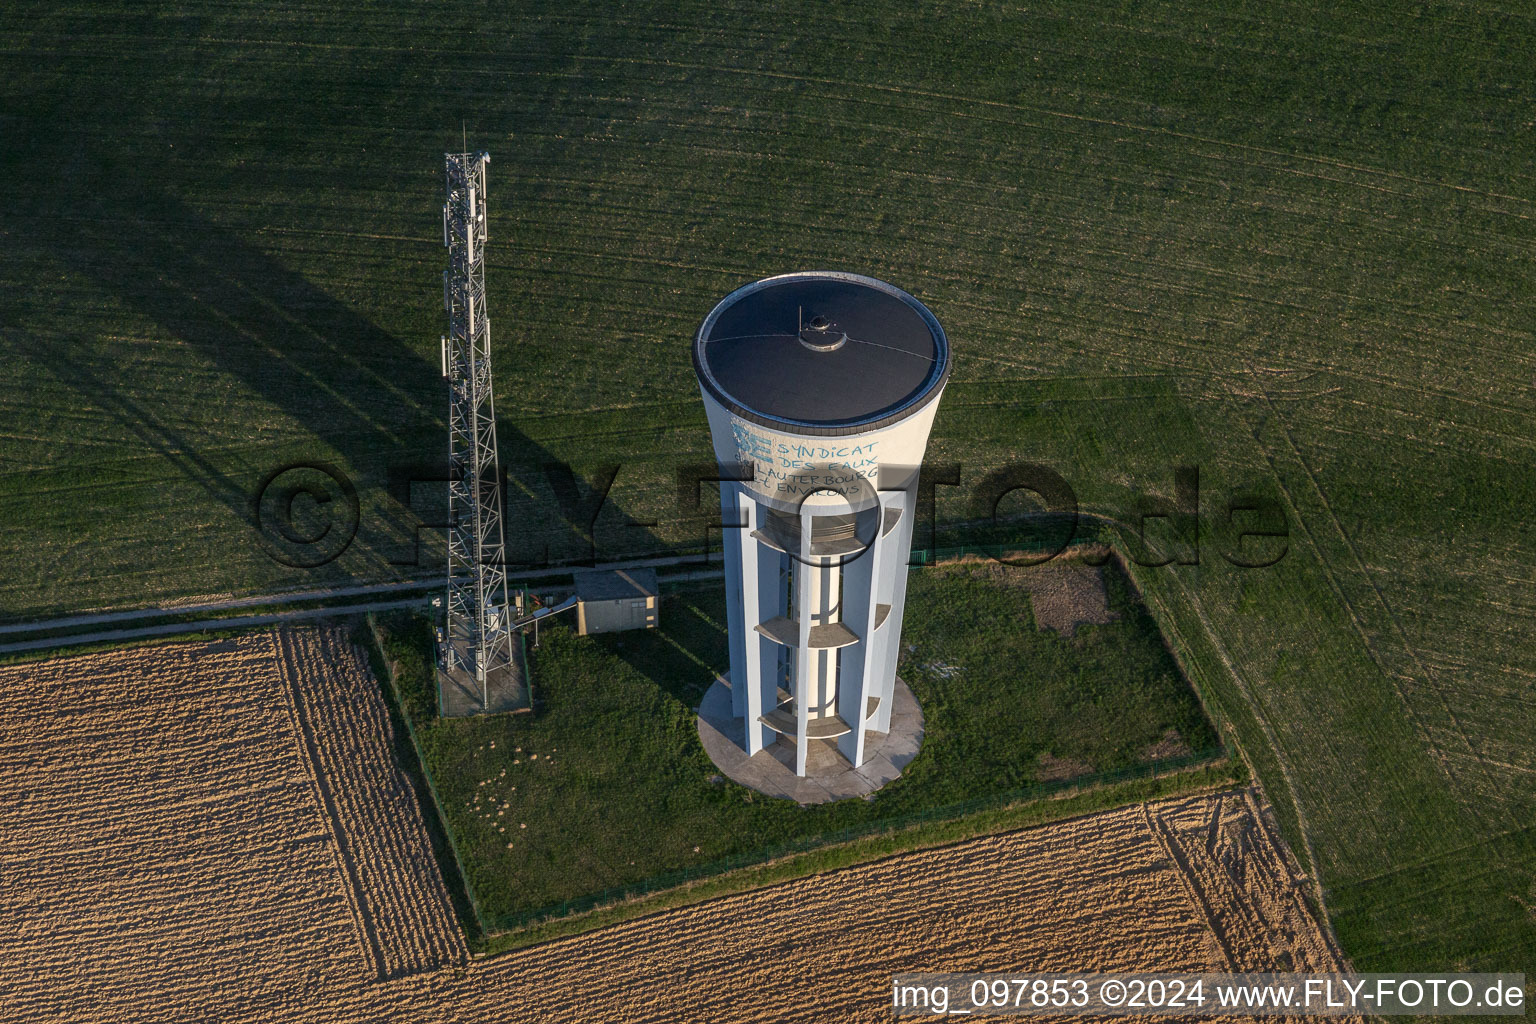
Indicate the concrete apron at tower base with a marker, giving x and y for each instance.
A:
(460, 694)
(829, 776)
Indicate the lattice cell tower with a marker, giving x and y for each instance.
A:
(480, 659)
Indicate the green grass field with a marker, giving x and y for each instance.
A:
(606, 785)
(1292, 245)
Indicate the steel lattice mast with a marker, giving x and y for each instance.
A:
(478, 641)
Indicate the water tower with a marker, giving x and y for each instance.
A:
(821, 387)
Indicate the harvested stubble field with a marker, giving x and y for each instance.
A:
(215, 831)
(229, 811)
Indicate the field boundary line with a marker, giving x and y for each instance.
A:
(1261, 716)
(1283, 856)
(1155, 827)
(1333, 582)
(259, 600)
(1381, 598)
(173, 629)
(351, 884)
(537, 933)
(700, 570)
(1354, 614)
(390, 690)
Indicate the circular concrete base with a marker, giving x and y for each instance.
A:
(829, 775)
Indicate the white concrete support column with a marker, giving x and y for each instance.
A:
(770, 605)
(734, 505)
(805, 685)
(760, 602)
(823, 580)
(855, 676)
(896, 553)
(879, 643)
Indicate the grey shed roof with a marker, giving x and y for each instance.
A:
(821, 353)
(615, 584)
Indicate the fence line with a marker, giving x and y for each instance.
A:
(887, 826)
(735, 862)
(1094, 538)
(426, 773)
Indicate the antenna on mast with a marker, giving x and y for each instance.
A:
(480, 659)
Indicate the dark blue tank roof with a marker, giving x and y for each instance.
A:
(821, 353)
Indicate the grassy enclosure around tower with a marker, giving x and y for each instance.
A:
(607, 786)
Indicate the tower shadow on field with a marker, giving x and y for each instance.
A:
(355, 387)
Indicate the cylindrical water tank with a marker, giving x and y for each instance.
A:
(820, 390)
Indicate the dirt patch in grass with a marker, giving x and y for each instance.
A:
(1064, 593)
(1067, 594)
(1056, 769)
(1171, 745)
